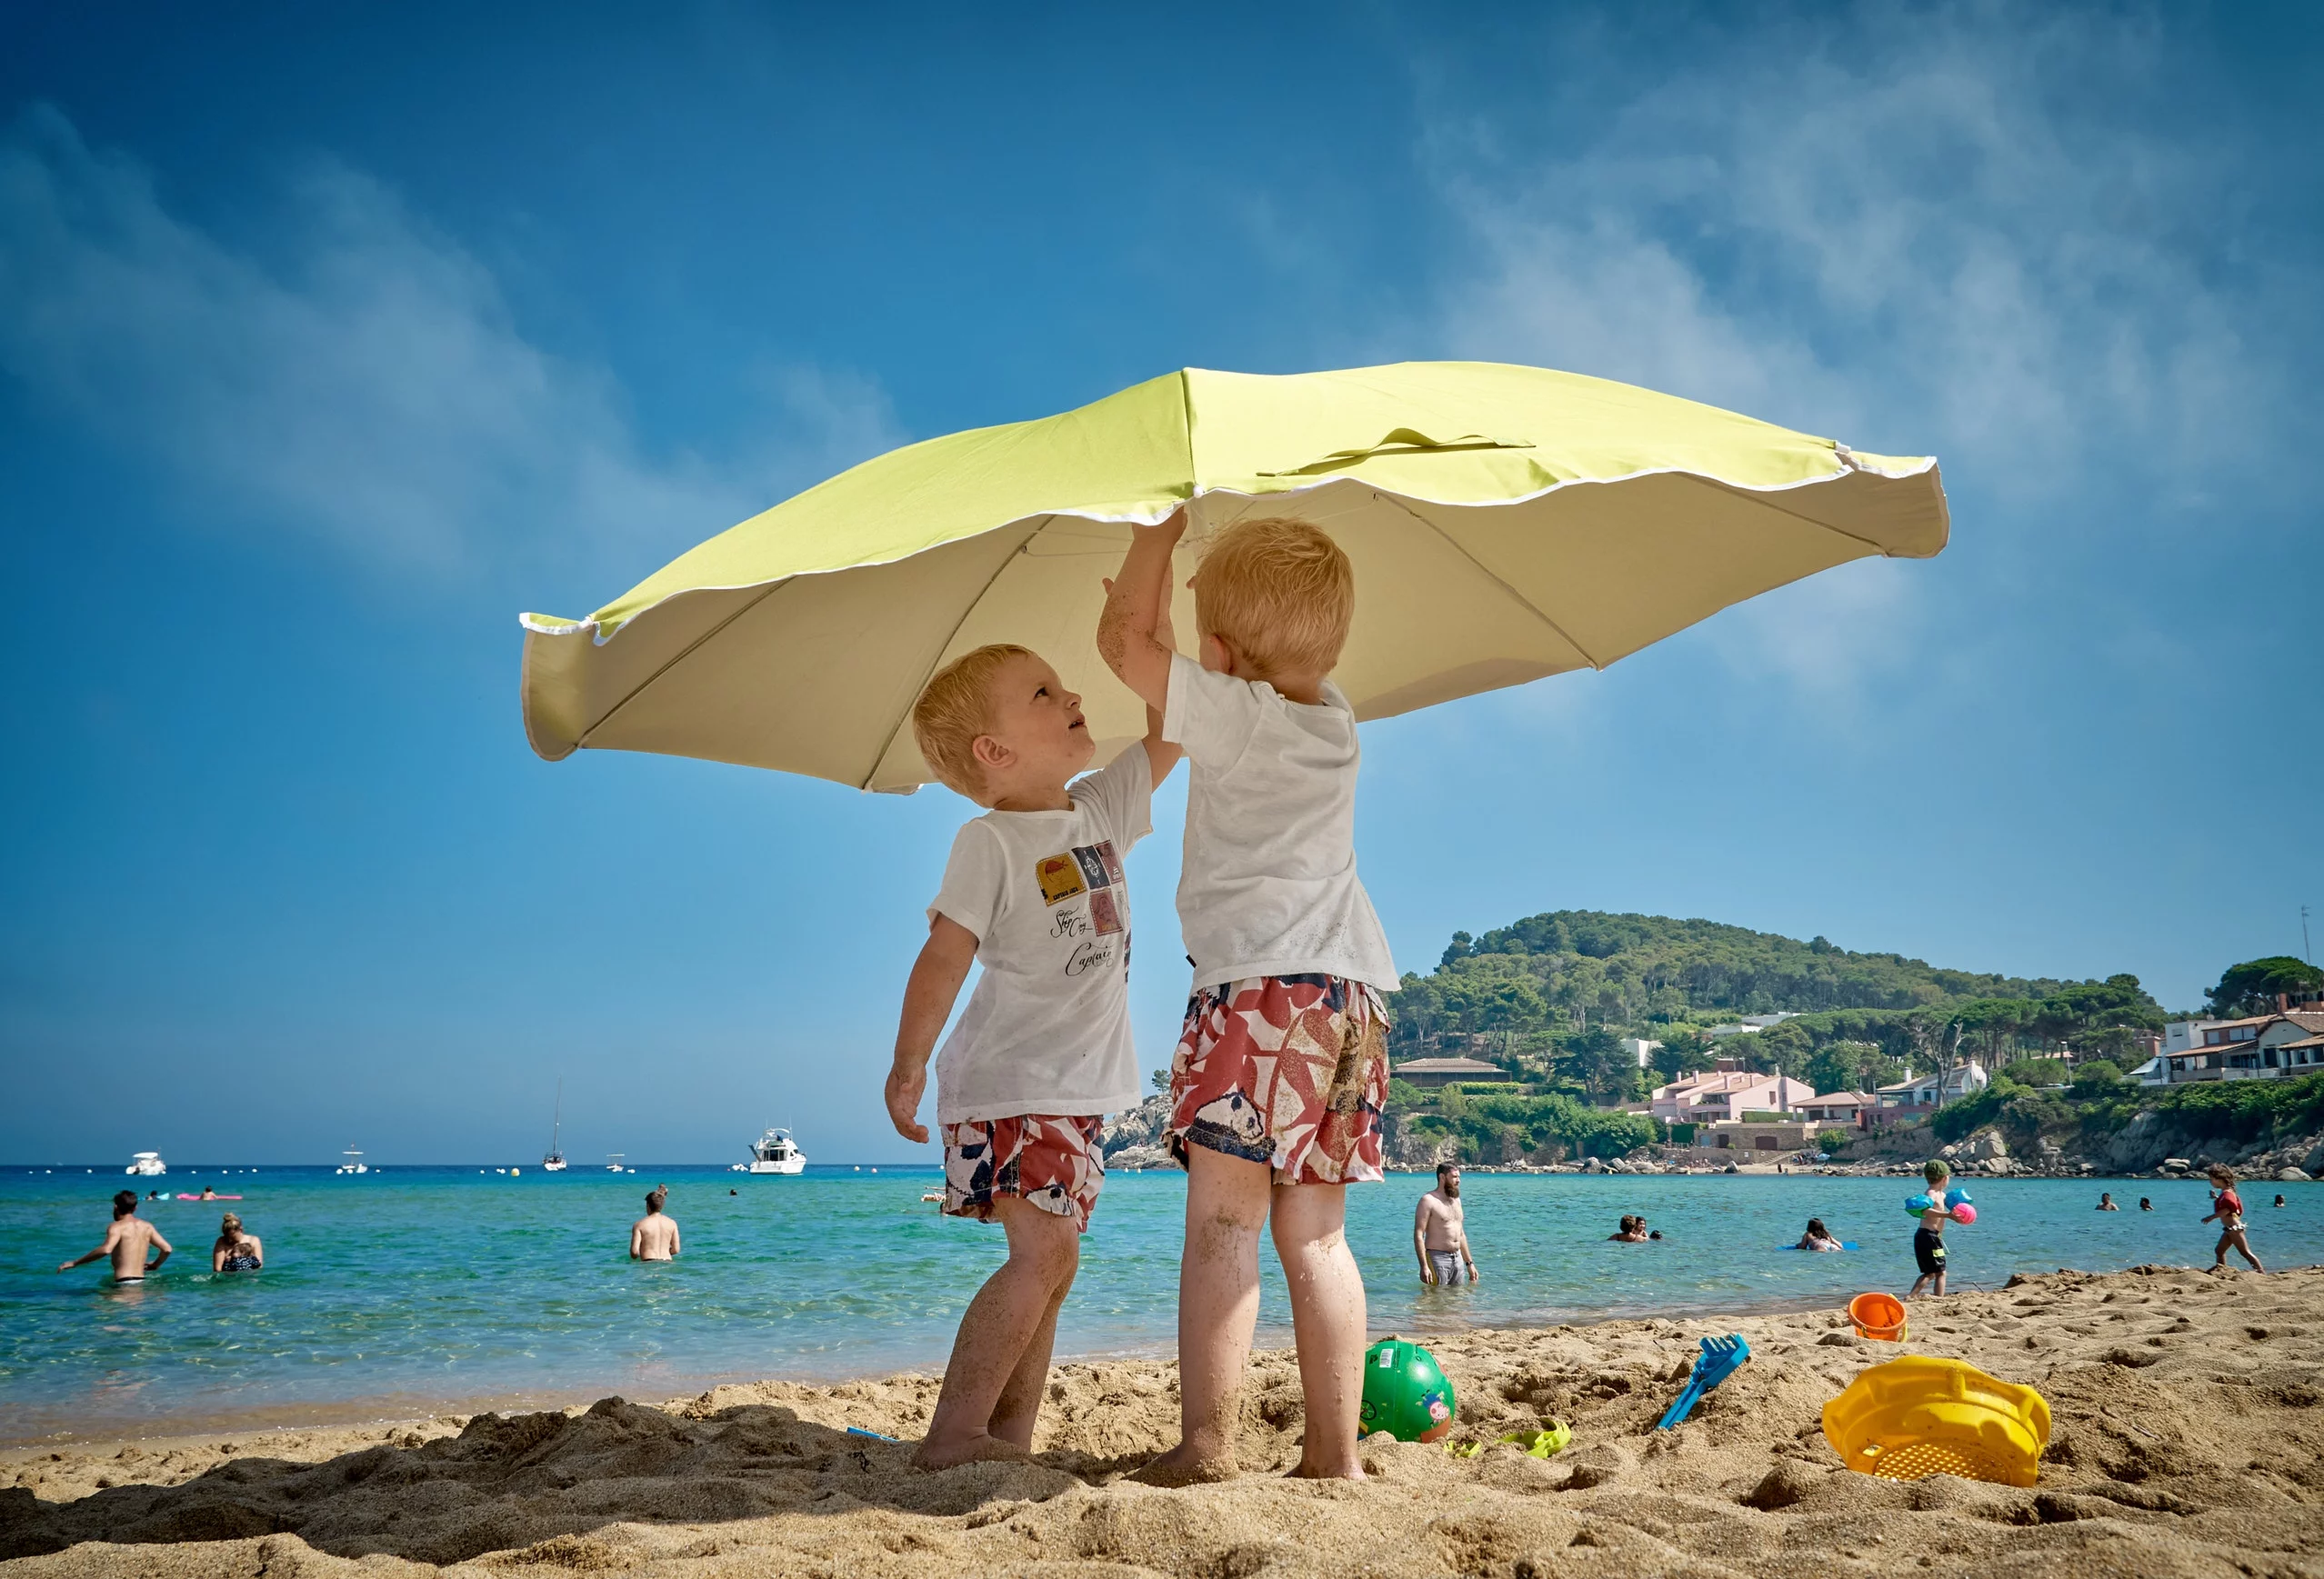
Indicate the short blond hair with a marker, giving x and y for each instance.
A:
(1281, 590)
(958, 707)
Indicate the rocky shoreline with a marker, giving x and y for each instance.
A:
(2150, 1146)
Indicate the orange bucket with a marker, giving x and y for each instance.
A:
(1877, 1315)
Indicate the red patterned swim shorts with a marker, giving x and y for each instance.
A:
(1288, 1071)
(1047, 1162)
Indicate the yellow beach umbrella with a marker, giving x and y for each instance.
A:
(1505, 523)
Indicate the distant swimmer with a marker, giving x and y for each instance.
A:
(654, 1236)
(2279, 1200)
(234, 1250)
(2145, 1204)
(208, 1193)
(126, 1243)
(2106, 1202)
(1818, 1237)
(1632, 1230)
(1440, 1232)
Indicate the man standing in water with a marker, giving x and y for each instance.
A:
(126, 1241)
(655, 1238)
(1440, 1235)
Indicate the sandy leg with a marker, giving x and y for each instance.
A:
(1000, 1359)
(1326, 1322)
(1218, 1301)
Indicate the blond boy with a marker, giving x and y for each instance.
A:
(1281, 1068)
(1034, 893)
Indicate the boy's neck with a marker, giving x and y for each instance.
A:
(1032, 797)
(1305, 689)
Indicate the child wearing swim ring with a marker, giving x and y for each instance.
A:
(1929, 1239)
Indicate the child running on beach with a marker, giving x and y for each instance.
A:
(1281, 1068)
(1035, 893)
(2227, 1207)
(1929, 1239)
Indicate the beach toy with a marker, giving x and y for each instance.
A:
(182, 1196)
(1844, 1245)
(1536, 1443)
(875, 1436)
(1405, 1393)
(1920, 1417)
(1964, 1213)
(1880, 1316)
(1722, 1357)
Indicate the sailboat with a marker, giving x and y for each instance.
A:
(554, 1162)
(354, 1164)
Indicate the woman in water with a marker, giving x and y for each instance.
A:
(1631, 1232)
(234, 1250)
(1818, 1237)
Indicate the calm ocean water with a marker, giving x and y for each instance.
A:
(415, 1287)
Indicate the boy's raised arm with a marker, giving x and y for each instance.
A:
(935, 982)
(1136, 611)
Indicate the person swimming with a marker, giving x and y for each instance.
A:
(2145, 1204)
(1818, 1237)
(1632, 1230)
(2106, 1202)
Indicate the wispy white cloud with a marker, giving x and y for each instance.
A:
(371, 388)
(1892, 226)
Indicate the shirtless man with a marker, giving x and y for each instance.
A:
(126, 1241)
(655, 1238)
(1439, 1236)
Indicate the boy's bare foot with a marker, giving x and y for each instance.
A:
(1303, 1470)
(981, 1448)
(1181, 1467)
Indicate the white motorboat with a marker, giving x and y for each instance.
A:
(774, 1152)
(146, 1164)
(613, 1163)
(554, 1162)
(354, 1164)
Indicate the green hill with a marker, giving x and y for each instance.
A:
(1550, 995)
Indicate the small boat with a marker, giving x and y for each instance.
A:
(613, 1162)
(774, 1152)
(554, 1162)
(354, 1164)
(147, 1164)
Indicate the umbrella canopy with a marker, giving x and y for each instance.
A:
(1505, 523)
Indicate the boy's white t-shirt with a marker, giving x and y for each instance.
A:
(1267, 887)
(1047, 1028)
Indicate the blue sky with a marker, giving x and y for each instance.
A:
(327, 342)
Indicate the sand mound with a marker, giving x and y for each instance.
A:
(2188, 1443)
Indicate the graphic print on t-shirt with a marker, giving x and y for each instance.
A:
(1102, 912)
(1061, 877)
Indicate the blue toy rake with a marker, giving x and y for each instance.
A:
(1722, 1357)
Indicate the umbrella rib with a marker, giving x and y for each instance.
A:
(682, 655)
(1522, 601)
(1766, 503)
(889, 744)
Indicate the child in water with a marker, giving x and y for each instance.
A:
(1929, 1239)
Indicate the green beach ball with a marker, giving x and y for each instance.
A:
(1405, 1393)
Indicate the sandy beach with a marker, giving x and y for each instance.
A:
(2188, 1442)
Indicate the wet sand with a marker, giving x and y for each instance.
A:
(2189, 1441)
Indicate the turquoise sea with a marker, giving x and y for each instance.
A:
(412, 1288)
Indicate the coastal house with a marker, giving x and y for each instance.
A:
(1842, 1107)
(1751, 1024)
(1641, 1048)
(1757, 1135)
(1912, 1098)
(1431, 1072)
(2263, 1047)
(1724, 1095)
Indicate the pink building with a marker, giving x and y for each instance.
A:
(1715, 1097)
